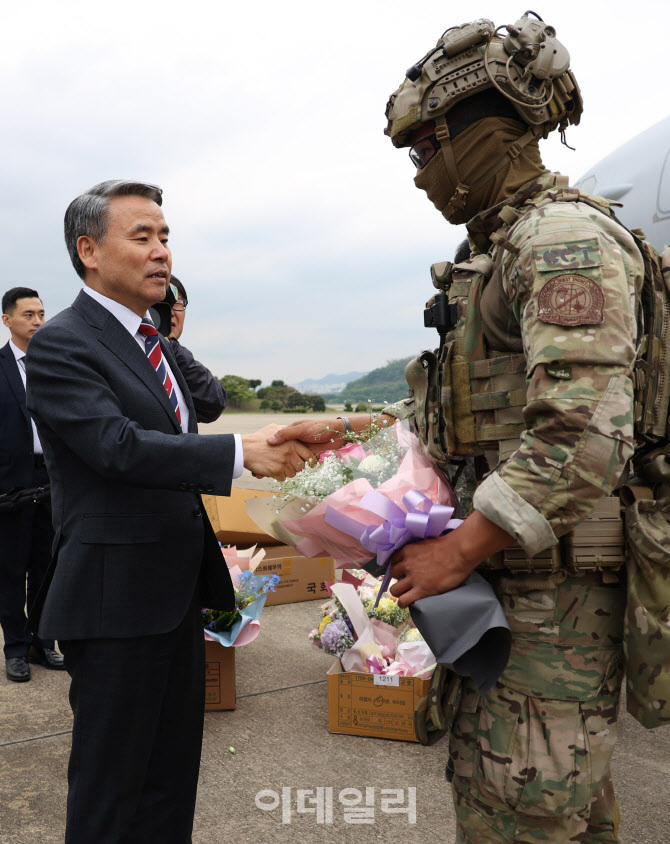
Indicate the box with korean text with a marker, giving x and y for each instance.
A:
(376, 705)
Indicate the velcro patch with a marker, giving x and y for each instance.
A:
(571, 299)
(568, 256)
(558, 369)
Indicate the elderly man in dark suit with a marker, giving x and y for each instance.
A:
(25, 532)
(134, 554)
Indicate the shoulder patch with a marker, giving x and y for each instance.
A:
(571, 299)
(567, 256)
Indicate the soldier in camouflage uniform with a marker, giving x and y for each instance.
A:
(552, 304)
(533, 383)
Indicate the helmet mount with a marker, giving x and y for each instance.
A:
(524, 62)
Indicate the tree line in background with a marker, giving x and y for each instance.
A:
(381, 386)
(278, 396)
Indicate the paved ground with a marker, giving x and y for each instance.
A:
(279, 731)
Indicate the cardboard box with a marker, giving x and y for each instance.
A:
(302, 578)
(228, 515)
(219, 677)
(373, 705)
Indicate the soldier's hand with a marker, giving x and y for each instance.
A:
(319, 435)
(429, 567)
(434, 566)
(278, 462)
(325, 434)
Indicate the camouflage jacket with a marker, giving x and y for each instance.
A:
(562, 292)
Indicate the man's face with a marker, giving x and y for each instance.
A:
(132, 265)
(24, 320)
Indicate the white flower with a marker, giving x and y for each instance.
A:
(366, 593)
(371, 463)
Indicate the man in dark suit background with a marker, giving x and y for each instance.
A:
(25, 533)
(134, 553)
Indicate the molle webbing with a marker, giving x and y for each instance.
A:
(465, 401)
(498, 396)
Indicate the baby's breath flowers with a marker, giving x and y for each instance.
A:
(372, 453)
(314, 482)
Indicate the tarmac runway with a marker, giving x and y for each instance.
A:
(280, 735)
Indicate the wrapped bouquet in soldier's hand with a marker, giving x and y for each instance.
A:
(362, 501)
(366, 500)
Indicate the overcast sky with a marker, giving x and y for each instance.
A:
(295, 224)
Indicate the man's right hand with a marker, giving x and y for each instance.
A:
(274, 461)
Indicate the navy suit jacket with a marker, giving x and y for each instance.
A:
(132, 541)
(16, 433)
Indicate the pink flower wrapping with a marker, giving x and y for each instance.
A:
(416, 472)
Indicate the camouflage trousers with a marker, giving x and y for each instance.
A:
(532, 756)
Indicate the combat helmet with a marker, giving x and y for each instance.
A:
(526, 64)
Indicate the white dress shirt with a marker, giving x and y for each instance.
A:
(21, 363)
(131, 322)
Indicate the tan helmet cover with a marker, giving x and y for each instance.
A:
(528, 66)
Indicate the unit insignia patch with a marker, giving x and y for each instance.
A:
(571, 299)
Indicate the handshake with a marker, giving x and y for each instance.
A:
(276, 460)
(280, 452)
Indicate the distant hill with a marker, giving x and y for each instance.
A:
(385, 384)
(328, 384)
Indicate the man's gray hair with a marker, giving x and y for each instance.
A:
(88, 214)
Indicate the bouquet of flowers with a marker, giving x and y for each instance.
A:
(361, 502)
(370, 636)
(241, 625)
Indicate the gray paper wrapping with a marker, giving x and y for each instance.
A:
(467, 630)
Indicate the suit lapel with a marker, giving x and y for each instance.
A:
(10, 367)
(126, 348)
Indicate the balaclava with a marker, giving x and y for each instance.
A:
(475, 148)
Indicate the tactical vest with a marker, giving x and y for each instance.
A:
(468, 402)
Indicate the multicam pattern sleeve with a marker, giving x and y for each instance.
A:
(403, 409)
(570, 273)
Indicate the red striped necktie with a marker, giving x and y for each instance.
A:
(153, 349)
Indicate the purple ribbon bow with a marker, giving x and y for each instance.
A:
(422, 520)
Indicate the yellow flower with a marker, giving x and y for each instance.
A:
(324, 623)
(386, 605)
